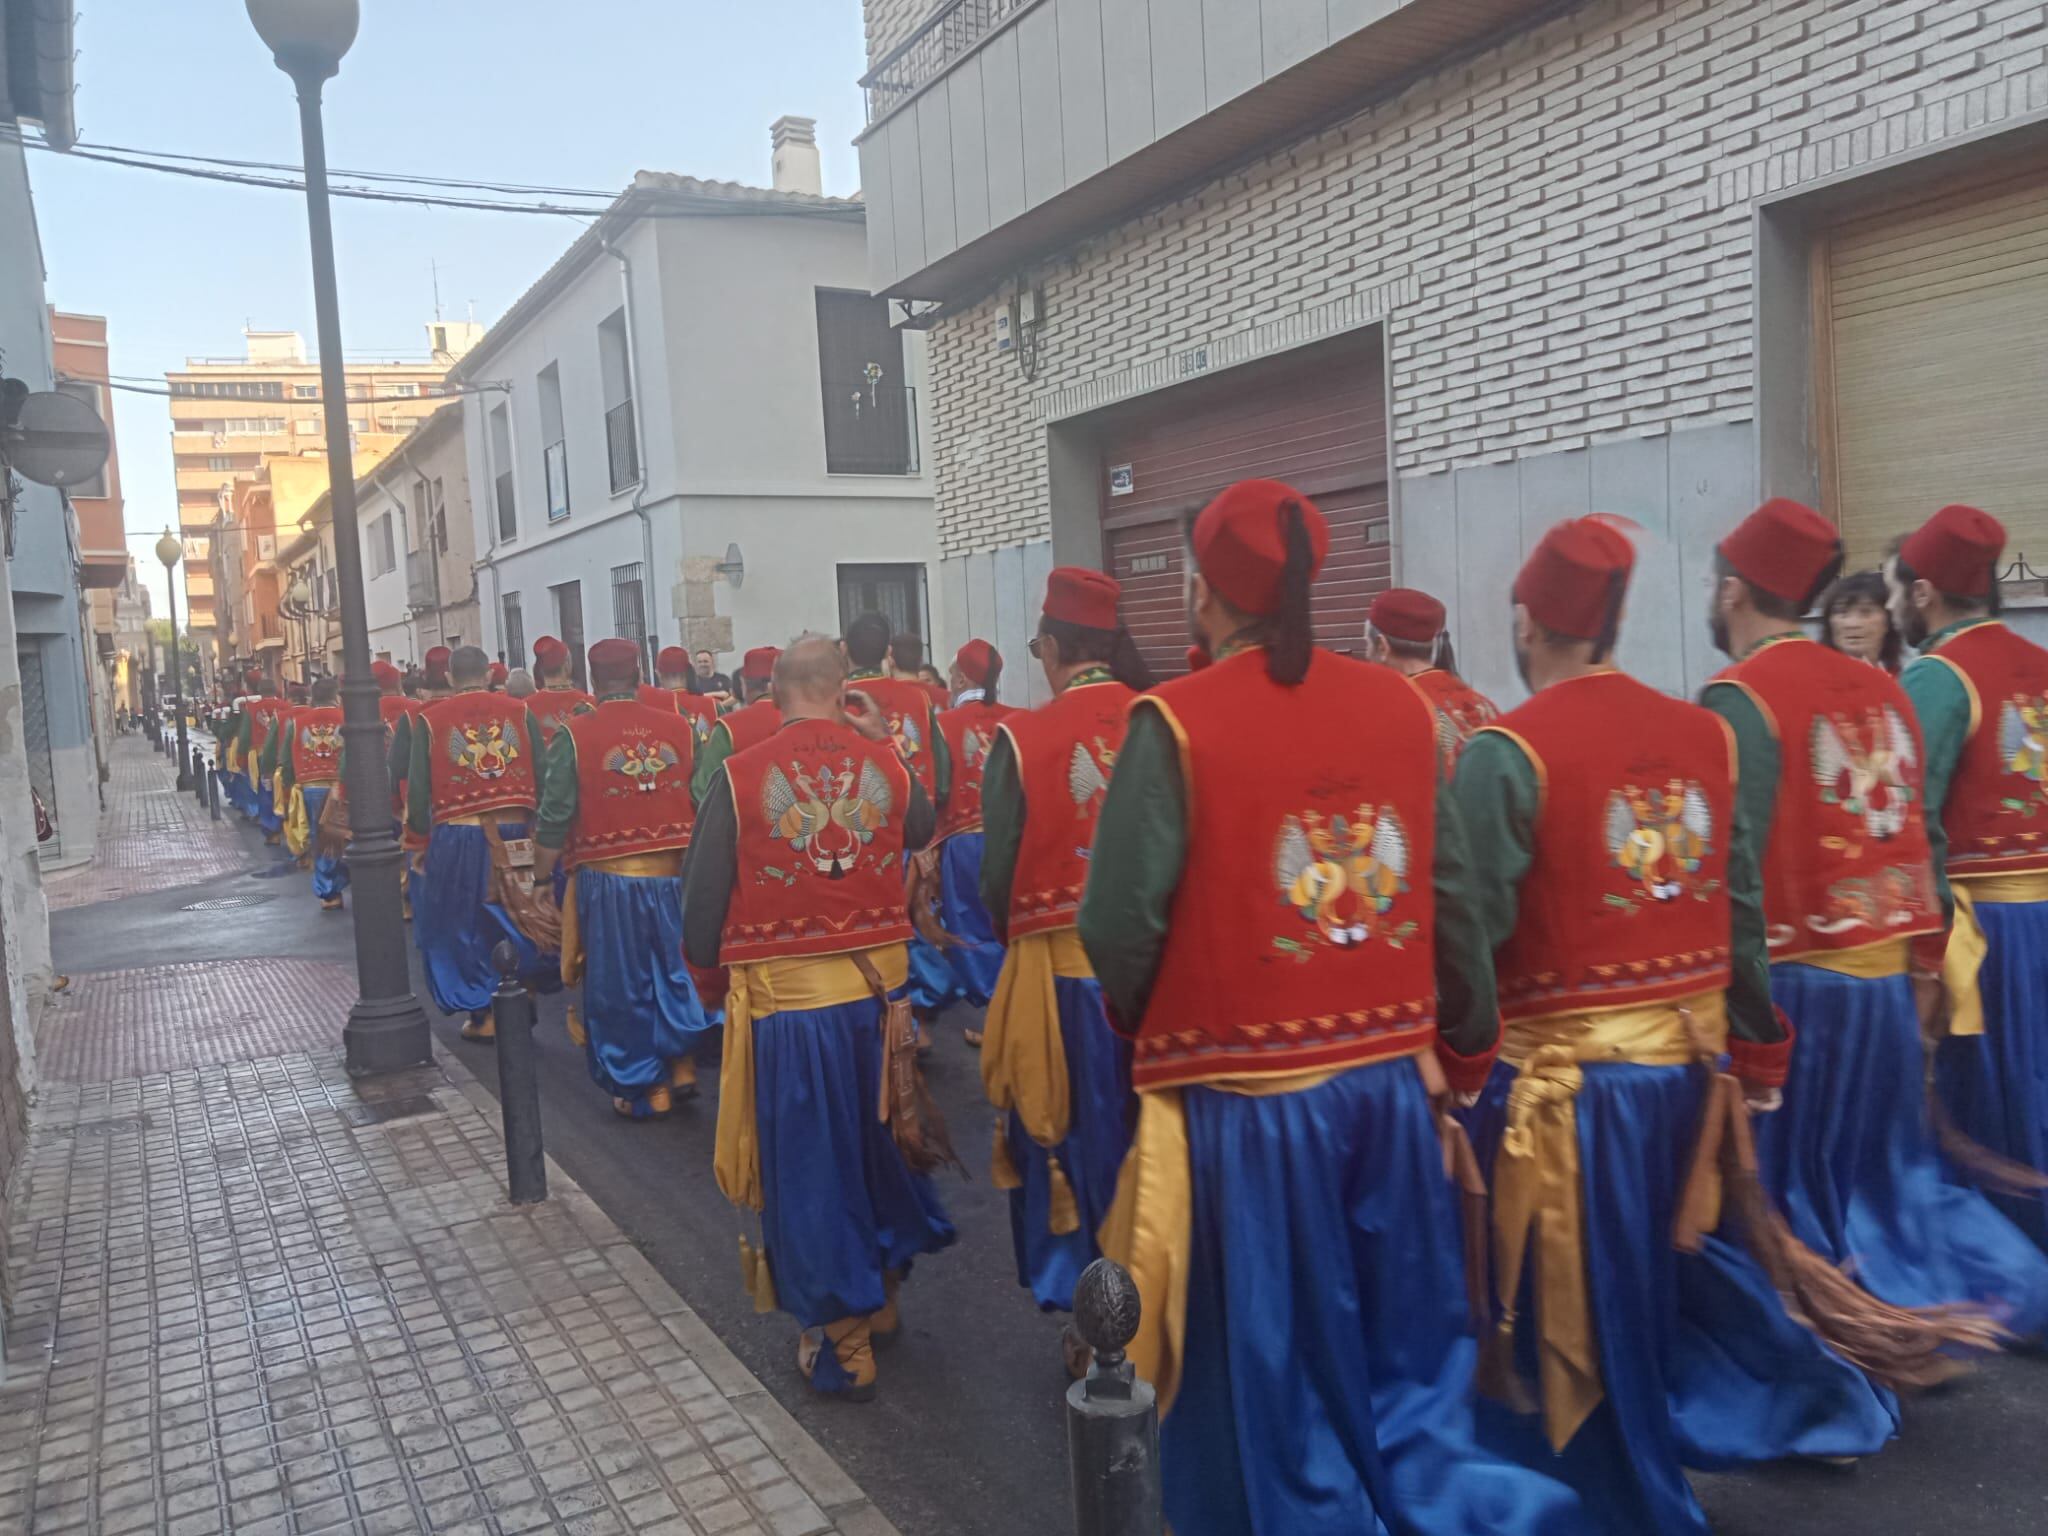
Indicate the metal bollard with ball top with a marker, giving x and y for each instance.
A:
(1112, 1416)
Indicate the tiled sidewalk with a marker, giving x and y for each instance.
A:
(250, 1300)
(152, 837)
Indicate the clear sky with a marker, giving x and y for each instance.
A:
(533, 91)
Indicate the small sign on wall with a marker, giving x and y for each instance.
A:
(1142, 565)
(1121, 481)
(1003, 340)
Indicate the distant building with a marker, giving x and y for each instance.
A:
(80, 353)
(134, 666)
(1460, 270)
(230, 415)
(698, 427)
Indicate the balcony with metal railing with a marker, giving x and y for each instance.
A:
(622, 445)
(870, 429)
(947, 34)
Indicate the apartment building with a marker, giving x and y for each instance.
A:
(1459, 270)
(230, 415)
(698, 427)
(79, 352)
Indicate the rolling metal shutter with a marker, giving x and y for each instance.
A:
(1937, 371)
(1319, 425)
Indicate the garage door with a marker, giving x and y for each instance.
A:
(1318, 423)
(1936, 325)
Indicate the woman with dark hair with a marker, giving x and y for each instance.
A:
(1855, 621)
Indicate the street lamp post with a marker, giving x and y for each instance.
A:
(387, 1028)
(168, 550)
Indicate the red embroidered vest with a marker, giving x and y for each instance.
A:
(820, 811)
(751, 725)
(1626, 900)
(633, 767)
(1847, 863)
(908, 709)
(478, 755)
(1997, 811)
(969, 732)
(701, 712)
(316, 745)
(1065, 752)
(1460, 709)
(393, 707)
(551, 706)
(263, 715)
(1303, 929)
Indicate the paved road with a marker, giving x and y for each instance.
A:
(966, 1433)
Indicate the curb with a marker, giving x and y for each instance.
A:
(813, 1467)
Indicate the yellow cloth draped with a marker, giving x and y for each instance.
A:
(1967, 946)
(1887, 957)
(1023, 1058)
(1150, 1226)
(755, 991)
(1537, 1178)
(644, 866)
(298, 827)
(234, 757)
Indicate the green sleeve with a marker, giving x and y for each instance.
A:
(1002, 830)
(242, 734)
(1497, 797)
(284, 760)
(1942, 702)
(1467, 1006)
(711, 756)
(1751, 1014)
(558, 792)
(401, 752)
(942, 761)
(709, 874)
(267, 762)
(419, 786)
(1135, 867)
(533, 739)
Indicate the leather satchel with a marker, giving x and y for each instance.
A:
(907, 1107)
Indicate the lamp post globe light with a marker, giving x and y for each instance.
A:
(387, 1028)
(169, 550)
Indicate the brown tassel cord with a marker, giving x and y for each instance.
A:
(1990, 1171)
(923, 896)
(1003, 1167)
(1063, 1214)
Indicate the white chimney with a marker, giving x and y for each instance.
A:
(796, 155)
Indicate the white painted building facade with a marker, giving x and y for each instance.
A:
(699, 428)
(1465, 267)
(418, 535)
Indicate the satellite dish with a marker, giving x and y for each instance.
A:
(56, 439)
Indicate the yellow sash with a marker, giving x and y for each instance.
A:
(234, 757)
(755, 991)
(1150, 1226)
(298, 828)
(1537, 1186)
(1023, 1058)
(278, 801)
(1886, 957)
(644, 865)
(1967, 945)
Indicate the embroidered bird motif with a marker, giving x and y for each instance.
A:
(1867, 771)
(1088, 773)
(323, 740)
(2023, 737)
(973, 748)
(830, 816)
(487, 749)
(1659, 836)
(643, 762)
(1342, 875)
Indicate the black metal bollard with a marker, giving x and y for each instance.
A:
(1112, 1416)
(213, 793)
(199, 775)
(526, 1169)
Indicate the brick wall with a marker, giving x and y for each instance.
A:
(1558, 231)
(13, 1134)
(890, 21)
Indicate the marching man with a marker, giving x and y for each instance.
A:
(558, 696)
(671, 691)
(309, 768)
(615, 804)
(1831, 792)
(1050, 1063)
(795, 883)
(1405, 631)
(736, 730)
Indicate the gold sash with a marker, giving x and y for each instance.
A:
(1967, 946)
(756, 990)
(298, 827)
(1537, 1185)
(1023, 1057)
(668, 862)
(1886, 957)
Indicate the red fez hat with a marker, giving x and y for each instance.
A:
(497, 674)
(1241, 542)
(388, 677)
(1076, 595)
(1573, 580)
(673, 661)
(977, 658)
(758, 665)
(1784, 548)
(1955, 550)
(437, 662)
(1402, 613)
(549, 653)
(614, 658)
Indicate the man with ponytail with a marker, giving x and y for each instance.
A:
(965, 965)
(1832, 793)
(1276, 901)
(1050, 1062)
(1405, 631)
(1617, 894)
(1981, 692)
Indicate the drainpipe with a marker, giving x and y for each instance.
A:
(651, 643)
